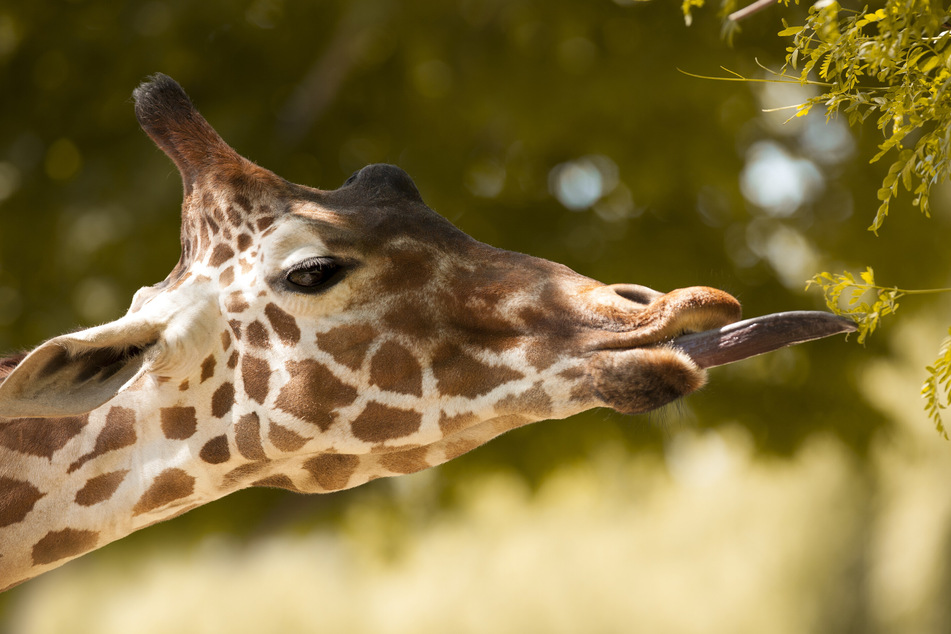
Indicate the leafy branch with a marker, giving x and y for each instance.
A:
(863, 301)
(866, 302)
(903, 46)
(939, 378)
(904, 49)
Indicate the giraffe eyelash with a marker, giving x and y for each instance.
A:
(313, 275)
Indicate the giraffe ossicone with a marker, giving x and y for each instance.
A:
(315, 340)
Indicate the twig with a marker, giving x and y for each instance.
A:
(750, 9)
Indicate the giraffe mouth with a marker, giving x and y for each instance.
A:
(759, 335)
(704, 323)
(659, 351)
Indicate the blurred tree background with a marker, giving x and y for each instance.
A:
(561, 129)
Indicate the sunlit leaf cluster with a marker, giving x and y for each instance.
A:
(866, 303)
(890, 64)
(937, 386)
(862, 300)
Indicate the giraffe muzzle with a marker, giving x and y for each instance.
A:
(669, 340)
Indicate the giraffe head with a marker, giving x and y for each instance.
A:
(356, 321)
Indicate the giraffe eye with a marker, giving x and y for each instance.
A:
(312, 274)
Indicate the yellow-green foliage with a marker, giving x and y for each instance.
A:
(938, 382)
(890, 63)
(863, 301)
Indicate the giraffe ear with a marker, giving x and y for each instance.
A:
(167, 115)
(76, 373)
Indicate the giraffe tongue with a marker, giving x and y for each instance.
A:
(751, 337)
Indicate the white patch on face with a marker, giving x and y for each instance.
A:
(191, 319)
(295, 241)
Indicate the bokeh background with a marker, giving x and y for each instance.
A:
(804, 490)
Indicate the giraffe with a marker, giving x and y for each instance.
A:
(314, 340)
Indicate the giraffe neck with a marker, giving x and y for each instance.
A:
(72, 484)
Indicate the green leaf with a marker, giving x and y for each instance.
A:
(929, 64)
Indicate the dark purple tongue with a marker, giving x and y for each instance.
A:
(751, 337)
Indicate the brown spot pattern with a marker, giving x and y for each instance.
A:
(178, 423)
(208, 368)
(248, 437)
(220, 255)
(456, 448)
(407, 461)
(451, 424)
(222, 400)
(407, 269)
(264, 222)
(236, 303)
(256, 375)
(299, 395)
(100, 488)
(332, 471)
(571, 374)
(348, 344)
(225, 340)
(276, 482)
(215, 451)
(459, 374)
(242, 201)
(394, 368)
(170, 485)
(244, 241)
(183, 386)
(226, 277)
(235, 326)
(257, 335)
(233, 360)
(240, 475)
(412, 318)
(17, 498)
(534, 402)
(57, 545)
(285, 439)
(283, 324)
(542, 356)
(118, 432)
(41, 436)
(379, 423)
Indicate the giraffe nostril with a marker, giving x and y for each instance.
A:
(636, 293)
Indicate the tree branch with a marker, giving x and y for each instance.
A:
(750, 9)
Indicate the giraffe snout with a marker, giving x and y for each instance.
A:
(635, 315)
